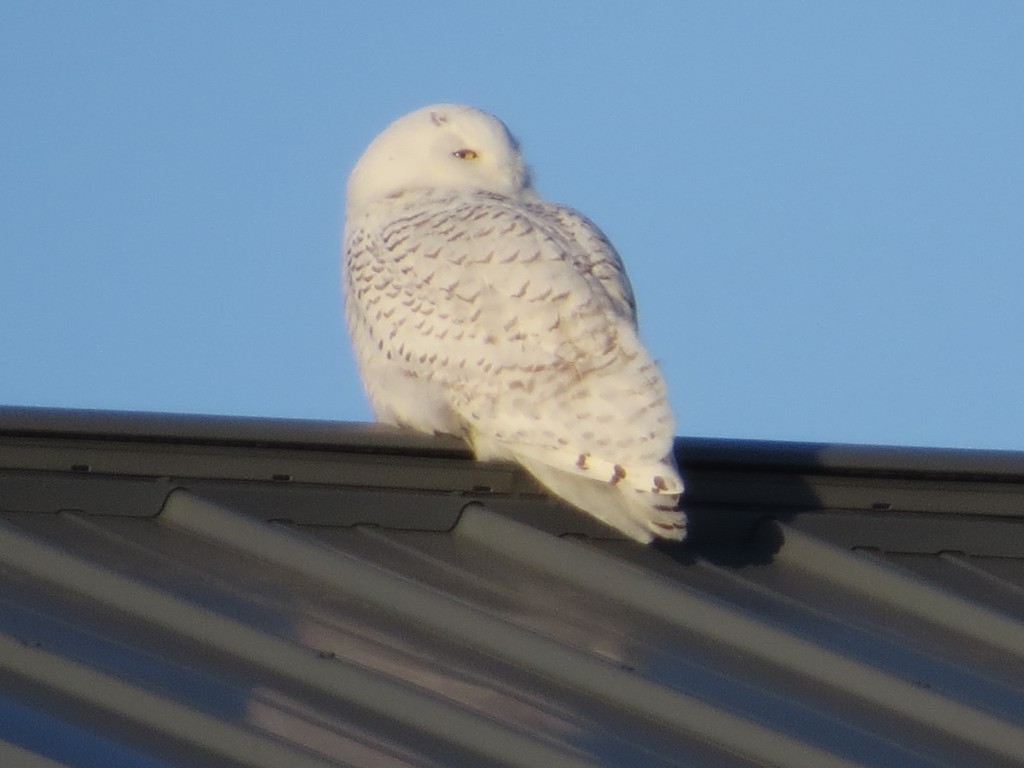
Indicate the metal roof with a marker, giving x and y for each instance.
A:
(204, 591)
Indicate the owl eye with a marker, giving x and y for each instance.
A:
(465, 154)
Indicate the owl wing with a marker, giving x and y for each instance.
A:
(596, 254)
(459, 289)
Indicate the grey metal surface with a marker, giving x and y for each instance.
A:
(282, 599)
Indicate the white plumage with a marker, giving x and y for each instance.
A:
(478, 309)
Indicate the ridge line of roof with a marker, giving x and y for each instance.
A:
(363, 437)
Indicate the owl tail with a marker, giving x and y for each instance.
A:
(642, 502)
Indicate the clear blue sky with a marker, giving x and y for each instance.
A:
(821, 205)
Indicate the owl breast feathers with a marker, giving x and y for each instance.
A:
(478, 309)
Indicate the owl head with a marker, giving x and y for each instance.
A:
(445, 147)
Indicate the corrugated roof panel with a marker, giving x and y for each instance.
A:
(258, 629)
(222, 621)
(459, 635)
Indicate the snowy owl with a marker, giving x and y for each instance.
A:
(478, 309)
